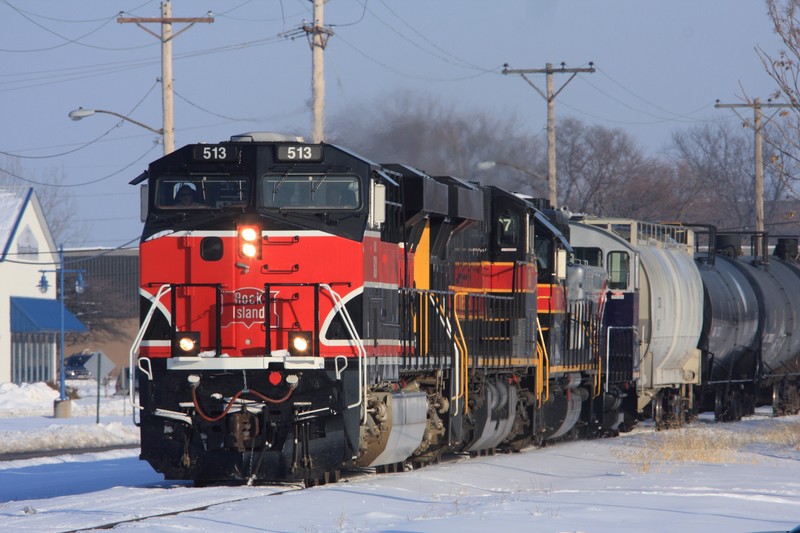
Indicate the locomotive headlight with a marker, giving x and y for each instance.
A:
(250, 242)
(300, 343)
(249, 233)
(249, 250)
(186, 343)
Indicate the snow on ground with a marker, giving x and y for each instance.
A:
(736, 478)
(27, 423)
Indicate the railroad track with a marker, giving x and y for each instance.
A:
(177, 512)
(35, 454)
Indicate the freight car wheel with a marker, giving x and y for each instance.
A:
(677, 411)
(658, 411)
(735, 406)
(777, 403)
(720, 407)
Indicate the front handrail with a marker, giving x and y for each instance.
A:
(454, 337)
(137, 341)
(362, 352)
(543, 360)
(461, 370)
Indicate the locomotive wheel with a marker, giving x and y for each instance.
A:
(332, 476)
(391, 468)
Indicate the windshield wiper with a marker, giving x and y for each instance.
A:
(278, 185)
(319, 184)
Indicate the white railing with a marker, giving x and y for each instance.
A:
(359, 344)
(137, 341)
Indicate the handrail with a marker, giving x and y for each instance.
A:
(362, 352)
(462, 373)
(137, 341)
(608, 347)
(443, 318)
(543, 376)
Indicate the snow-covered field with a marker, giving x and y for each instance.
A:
(742, 477)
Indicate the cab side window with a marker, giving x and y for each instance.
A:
(507, 231)
(618, 270)
(589, 255)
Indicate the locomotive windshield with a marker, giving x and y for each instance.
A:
(310, 191)
(202, 192)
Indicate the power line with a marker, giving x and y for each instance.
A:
(411, 75)
(60, 185)
(67, 40)
(81, 147)
(460, 62)
(54, 19)
(675, 118)
(361, 18)
(618, 84)
(464, 64)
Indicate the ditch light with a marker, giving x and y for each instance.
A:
(186, 343)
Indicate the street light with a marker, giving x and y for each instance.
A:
(79, 288)
(488, 165)
(77, 114)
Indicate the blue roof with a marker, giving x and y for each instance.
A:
(36, 315)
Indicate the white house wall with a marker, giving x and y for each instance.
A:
(20, 277)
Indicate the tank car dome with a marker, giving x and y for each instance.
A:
(786, 248)
(729, 245)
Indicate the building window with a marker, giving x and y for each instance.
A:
(27, 245)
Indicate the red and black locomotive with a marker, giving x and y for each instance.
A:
(306, 310)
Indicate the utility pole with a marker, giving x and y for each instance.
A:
(166, 20)
(318, 36)
(550, 98)
(758, 125)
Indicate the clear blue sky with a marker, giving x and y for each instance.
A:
(661, 65)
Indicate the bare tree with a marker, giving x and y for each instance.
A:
(440, 139)
(784, 69)
(58, 204)
(602, 171)
(715, 166)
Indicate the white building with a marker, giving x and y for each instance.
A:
(30, 319)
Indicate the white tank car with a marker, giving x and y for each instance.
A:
(656, 289)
